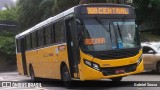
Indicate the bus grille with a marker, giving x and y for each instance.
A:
(112, 71)
(116, 54)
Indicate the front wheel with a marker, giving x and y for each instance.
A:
(117, 79)
(65, 76)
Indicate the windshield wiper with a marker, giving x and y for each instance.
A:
(104, 26)
(119, 30)
(100, 21)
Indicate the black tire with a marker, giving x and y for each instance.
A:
(158, 67)
(117, 79)
(65, 76)
(32, 75)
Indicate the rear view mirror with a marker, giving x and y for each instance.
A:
(78, 21)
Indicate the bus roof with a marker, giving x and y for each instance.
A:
(67, 12)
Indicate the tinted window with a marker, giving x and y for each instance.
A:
(34, 39)
(48, 35)
(53, 33)
(41, 41)
(147, 50)
(59, 32)
(28, 42)
(18, 45)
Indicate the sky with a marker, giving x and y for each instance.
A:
(14, 0)
(8, 2)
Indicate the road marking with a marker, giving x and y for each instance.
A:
(1, 78)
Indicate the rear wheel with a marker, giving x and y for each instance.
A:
(65, 76)
(32, 75)
(117, 79)
(158, 67)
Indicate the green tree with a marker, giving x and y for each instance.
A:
(9, 14)
(142, 10)
(155, 3)
(7, 41)
(29, 12)
(46, 7)
(32, 12)
(61, 5)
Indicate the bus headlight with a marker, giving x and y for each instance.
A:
(139, 60)
(95, 66)
(91, 64)
(88, 63)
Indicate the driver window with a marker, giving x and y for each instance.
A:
(147, 50)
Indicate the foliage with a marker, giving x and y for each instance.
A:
(155, 3)
(9, 14)
(29, 13)
(145, 8)
(32, 12)
(46, 7)
(61, 5)
(142, 10)
(35, 11)
(7, 45)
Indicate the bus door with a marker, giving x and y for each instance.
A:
(72, 47)
(24, 64)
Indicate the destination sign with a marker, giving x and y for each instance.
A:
(107, 10)
(93, 41)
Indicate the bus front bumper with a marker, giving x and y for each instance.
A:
(91, 74)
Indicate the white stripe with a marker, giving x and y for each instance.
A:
(7, 25)
(1, 78)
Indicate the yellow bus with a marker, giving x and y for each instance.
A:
(85, 42)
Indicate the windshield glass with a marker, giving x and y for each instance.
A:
(109, 34)
(125, 34)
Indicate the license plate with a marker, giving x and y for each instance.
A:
(119, 71)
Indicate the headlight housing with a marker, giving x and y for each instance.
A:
(92, 64)
(139, 60)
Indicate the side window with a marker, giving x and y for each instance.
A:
(53, 33)
(41, 38)
(28, 42)
(34, 39)
(18, 45)
(48, 33)
(147, 50)
(59, 32)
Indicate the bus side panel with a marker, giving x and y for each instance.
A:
(19, 63)
(31, 58)
(46, 57)
(46, 61)
(62, 56)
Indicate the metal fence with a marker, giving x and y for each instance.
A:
(10, 26)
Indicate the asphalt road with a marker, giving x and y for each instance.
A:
(128, 83)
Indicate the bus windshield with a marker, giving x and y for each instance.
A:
(109, 34)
